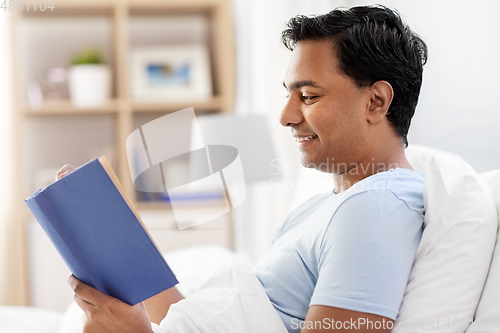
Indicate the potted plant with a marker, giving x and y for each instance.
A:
(89, 79)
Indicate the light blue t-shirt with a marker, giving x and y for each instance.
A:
(353, 250)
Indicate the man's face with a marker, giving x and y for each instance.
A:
(327, 105)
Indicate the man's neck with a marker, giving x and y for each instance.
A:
(368, 167)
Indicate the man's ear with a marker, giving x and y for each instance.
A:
(381, 95)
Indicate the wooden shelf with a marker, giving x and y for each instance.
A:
(155, 205)
(213, 104)
(66, 108)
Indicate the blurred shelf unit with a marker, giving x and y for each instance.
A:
(50, 132)
(55, 132)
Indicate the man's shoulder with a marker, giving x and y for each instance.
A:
(395, 186)
(404, 184)
(386, 203)
(396, 180)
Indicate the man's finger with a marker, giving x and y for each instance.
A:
(83, 304)
(87, 293)
(64, 170)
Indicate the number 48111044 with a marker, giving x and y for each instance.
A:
(27, 5)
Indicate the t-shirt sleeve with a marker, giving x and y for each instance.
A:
(366, 254)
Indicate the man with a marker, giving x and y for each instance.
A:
(353, 80)
(341, 260)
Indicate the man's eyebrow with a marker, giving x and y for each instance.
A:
(300, 84)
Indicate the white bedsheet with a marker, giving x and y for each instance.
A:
(231, 300)
(20, 319)
(222, 295)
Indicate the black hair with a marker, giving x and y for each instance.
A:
(372, 44)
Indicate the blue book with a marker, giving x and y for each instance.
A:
(98, 233)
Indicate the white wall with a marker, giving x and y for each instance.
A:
(458, 110)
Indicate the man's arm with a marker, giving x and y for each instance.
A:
(365, 262)
(158, 305)
(321, 318)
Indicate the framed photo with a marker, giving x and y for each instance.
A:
(177, 73)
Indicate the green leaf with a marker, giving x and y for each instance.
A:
(88, 56)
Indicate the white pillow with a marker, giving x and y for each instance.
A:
(455, 252)
(487, 317)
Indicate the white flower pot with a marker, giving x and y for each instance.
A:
(89, 85)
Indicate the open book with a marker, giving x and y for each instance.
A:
(98, 233)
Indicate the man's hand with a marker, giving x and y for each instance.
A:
(106, 314)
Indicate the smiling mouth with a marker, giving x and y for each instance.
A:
(305, 138)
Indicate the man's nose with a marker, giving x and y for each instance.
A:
(291, 113)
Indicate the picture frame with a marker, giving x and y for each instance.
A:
(171, 73)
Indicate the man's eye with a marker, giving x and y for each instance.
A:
(308, 98)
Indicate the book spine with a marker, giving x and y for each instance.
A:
(36, 205)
